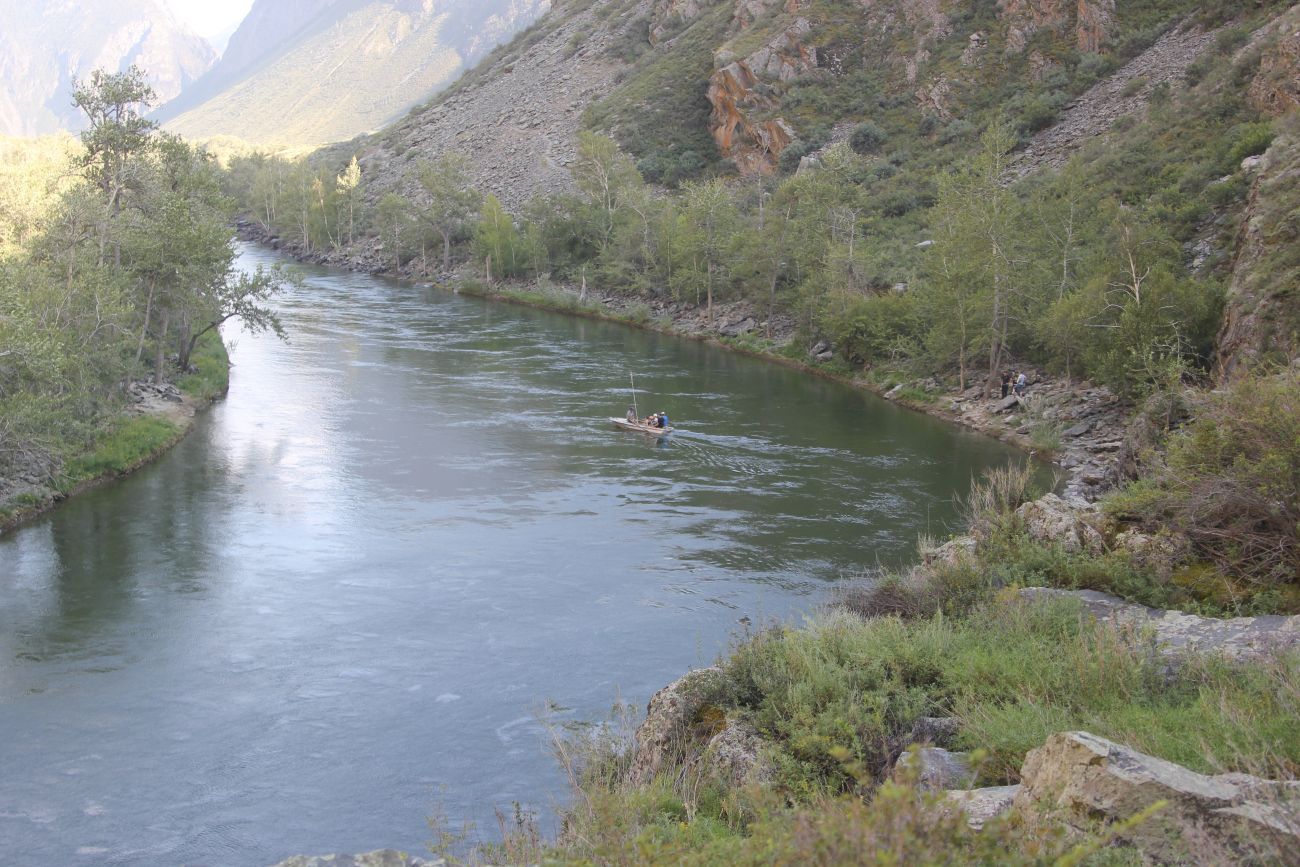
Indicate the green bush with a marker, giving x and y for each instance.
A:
(124, 447)
(866, 138)
(1252, 139)
(1231, 481)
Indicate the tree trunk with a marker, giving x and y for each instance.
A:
(161, 348)
(446, 251)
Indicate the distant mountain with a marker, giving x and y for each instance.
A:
(45, 46)
(316, 71)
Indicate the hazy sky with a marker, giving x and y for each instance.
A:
(210, 18)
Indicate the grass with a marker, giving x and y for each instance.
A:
(211, 378)
(123, 447)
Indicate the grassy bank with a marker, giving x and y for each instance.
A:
(833, 704)
(125, 441)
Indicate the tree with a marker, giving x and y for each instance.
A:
(606, 176)
(348, 184)
(452, 198)
(981, 226)
(117, 133)
(497, 239)
(711, 215)
(393, 214)
(238, 293)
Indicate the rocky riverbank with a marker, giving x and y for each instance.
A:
(155, 418)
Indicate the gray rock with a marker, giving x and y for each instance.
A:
(982, 805)
(1078, 430)
(735, 755)
(1053, 520)
(936, 769)
(1177, 633)
(1006, 404)
(937, 730)
(1089, 777)
(671, 717)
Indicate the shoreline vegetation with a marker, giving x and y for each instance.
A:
(140, 433)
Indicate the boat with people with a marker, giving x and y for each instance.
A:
(655, 424)
(641, 425)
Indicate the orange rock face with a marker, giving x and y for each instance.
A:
(738, 93)
(1275, 89)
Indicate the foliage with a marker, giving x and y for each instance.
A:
(1230, 481)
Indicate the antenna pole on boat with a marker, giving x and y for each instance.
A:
(634, 409)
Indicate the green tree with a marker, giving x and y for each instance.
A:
(117, 134)
(497, 240)
(710, 215)
(452, 199)
(606, 178)
(348, 184)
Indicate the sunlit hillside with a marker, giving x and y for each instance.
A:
(354, 70)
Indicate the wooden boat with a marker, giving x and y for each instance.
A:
(640, 426)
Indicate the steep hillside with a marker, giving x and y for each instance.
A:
(44, 47)
(311, 73)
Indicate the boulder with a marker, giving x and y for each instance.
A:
(1053, 520)
(1161, 554)
(1090, 778)
(673, 721)
(1007, 403)
(1177, 633)
(982, 805)
(937, 730)
(934, 769)
(734, 755)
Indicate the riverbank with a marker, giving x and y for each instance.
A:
(152, 420)
(1075, 425)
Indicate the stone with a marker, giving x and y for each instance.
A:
(936, 730)
(983, 805)
(1077, 430)
(1052, 520)
(378, 858)
(1007, 403)
(934, 769)
(734, 755)
(1161, 554)
(672, 720)
(1177, 633)
(1090, 778)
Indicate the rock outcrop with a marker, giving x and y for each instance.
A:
(1275, 90)
(674, 719)
(1261, 320)
(739, 94)
(1177, 633)
(1204, 818)
(934, 769)
(1052, 520)
(1089, 20)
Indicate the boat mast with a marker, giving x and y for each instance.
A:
(634, 409)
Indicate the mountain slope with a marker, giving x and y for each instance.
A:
(307, 73)
(45, 47)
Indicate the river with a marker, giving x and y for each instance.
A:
(343, 602)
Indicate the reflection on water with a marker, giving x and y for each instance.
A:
(353, 587)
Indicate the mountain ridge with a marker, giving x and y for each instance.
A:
(45, 49)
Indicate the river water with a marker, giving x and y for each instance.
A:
(343, 602)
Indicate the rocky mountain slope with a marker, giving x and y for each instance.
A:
(45, 47)
(311, 73)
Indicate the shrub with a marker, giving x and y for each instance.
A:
(1231, 480)
(866, 138)
(1252, 139)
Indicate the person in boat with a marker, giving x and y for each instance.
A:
(663, 419)
(631, 414)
